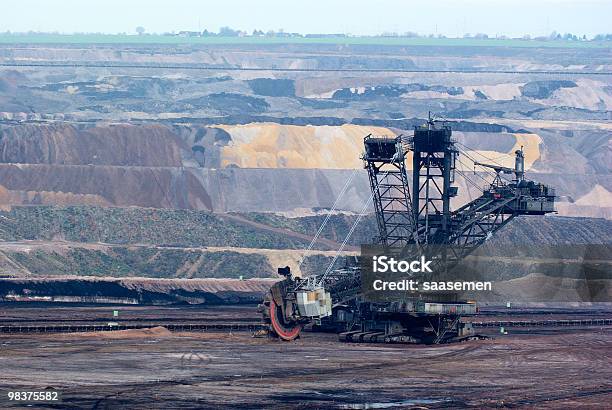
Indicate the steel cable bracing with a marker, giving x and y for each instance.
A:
(350, 232)
(500, 157)
(484, 169)
(329, 214)
(468, 179)
(491, 174)
(482, 155)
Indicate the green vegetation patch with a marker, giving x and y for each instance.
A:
(123, 261)
(165, 227)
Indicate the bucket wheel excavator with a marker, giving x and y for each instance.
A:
(408, 213)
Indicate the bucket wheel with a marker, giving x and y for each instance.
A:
(275, 317)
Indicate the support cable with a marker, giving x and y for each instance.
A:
(482, 155)
(350, 232)
(328, 216)
(479, 176)
(467, 179)
(484, 169)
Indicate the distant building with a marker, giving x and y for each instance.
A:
(189, 34)
(324, 35)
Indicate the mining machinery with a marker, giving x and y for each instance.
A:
(410, 214)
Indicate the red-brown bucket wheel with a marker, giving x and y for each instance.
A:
(278, 326)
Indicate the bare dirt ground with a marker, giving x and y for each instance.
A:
(153, 368)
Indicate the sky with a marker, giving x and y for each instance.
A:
(366, 17)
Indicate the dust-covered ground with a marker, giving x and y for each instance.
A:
(154, 368)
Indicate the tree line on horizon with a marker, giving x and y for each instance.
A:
(226, 31)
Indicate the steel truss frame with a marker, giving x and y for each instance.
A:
(391, 195)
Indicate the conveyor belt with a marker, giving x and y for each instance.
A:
(175, 327)
(544, 323)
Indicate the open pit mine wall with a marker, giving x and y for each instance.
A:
(261, 167)
(257, 167)
(244, 190)
(135, 291)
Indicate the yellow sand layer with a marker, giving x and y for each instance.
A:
(269, 145)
